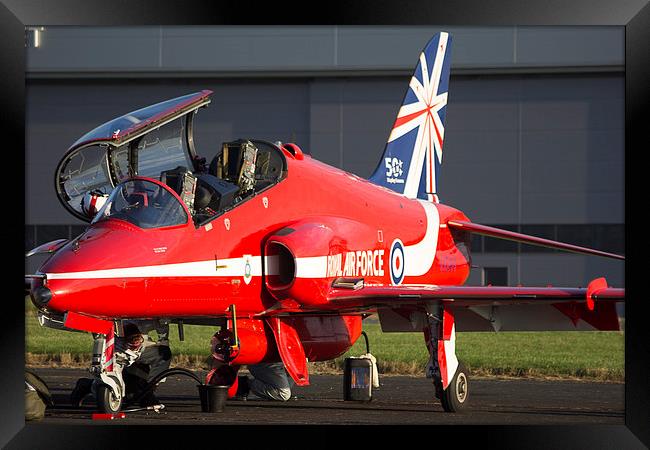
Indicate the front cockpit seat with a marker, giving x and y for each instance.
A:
(174, 178)
(183, 182)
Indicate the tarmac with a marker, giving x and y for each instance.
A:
(400, 400)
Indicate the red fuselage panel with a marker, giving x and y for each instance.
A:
(119, 270)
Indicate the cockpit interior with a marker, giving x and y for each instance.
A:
(157, 142)
(240, 169)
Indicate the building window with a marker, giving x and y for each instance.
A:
(495, 276)
(494, 245)
(605, 237)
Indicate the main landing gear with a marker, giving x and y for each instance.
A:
(454, 398)
(450, 378)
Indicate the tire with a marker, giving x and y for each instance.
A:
(106, 400)
(455, 397)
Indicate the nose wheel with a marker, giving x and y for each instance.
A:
(107, 401)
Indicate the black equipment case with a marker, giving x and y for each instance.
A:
(357, 377)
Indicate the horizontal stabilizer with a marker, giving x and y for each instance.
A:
(526, 239)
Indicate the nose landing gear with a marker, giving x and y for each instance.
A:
(109, 385)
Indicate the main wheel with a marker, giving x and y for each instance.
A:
(454, 398)
(107, 401)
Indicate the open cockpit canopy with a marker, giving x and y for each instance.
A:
(143, 142)
(156, 142)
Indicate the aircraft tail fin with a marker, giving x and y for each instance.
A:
(412, 157)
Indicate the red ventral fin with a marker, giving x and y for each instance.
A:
(290, 349)
(596, 285)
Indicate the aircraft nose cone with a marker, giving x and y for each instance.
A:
(41, 296)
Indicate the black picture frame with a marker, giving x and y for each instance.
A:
(634, 15)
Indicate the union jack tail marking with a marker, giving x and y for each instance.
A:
(411, 161)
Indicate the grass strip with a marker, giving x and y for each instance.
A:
(587, 355)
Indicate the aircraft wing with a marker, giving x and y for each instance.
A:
(478, 295)
(499, 308)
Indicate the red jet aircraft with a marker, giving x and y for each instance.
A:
(288, 253)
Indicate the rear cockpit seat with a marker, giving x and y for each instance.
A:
(240, 170)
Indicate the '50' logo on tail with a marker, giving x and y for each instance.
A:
(394, 170)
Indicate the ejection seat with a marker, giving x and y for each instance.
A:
(236, 163)
(252, 165)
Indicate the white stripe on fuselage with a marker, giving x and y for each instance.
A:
(233, 267)
(418, 258)
(308, 267)
(418, 261)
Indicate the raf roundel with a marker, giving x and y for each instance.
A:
(397, 262)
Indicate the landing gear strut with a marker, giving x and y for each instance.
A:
(109, 387)
(450, 378)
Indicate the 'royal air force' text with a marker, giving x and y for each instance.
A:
(354, 264)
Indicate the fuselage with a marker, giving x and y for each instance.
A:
(116, 269)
